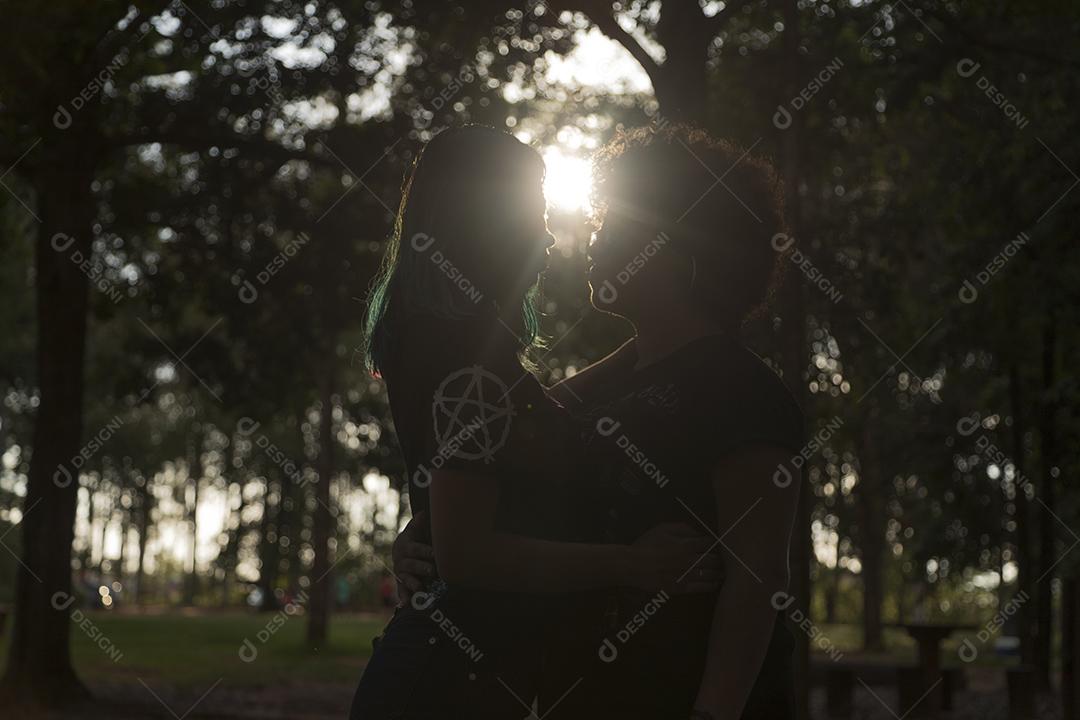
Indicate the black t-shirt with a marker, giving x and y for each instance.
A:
(658, 432)
(461, 400)
(661, 429)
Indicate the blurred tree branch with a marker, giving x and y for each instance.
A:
(602, 14)
(255, 145)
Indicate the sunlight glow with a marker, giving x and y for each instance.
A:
(568, 180)
(597, 61)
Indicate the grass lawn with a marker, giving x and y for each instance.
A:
(900, 647)
(163, 665)
(195, 650)
(189, 664)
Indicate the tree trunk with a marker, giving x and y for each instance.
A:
(1070, 648)
(144, 527)
(832, 594)
(92, 491)
(871, 534)
(39, 657)
(106, 518)
(1044, 625)
(232, 547)
(793, 313)
(1025, 562)
(269, 549)
(125, 525)
(228, 556)
(321, 575)
(195, 473)
(902, 612)
(681, 83)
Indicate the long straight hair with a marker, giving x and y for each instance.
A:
(449, 192)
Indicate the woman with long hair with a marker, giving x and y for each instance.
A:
(494, 466)
(687, 262)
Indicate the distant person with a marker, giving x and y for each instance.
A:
(387, 590)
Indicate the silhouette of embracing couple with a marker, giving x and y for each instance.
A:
(611, 546)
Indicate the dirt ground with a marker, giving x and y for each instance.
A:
(984, 699)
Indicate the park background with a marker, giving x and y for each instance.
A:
(195, 198)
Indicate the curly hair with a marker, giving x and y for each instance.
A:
(717, 202)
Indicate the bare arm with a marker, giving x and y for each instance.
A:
(755, 519)
(413, 558)
(470, 551)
